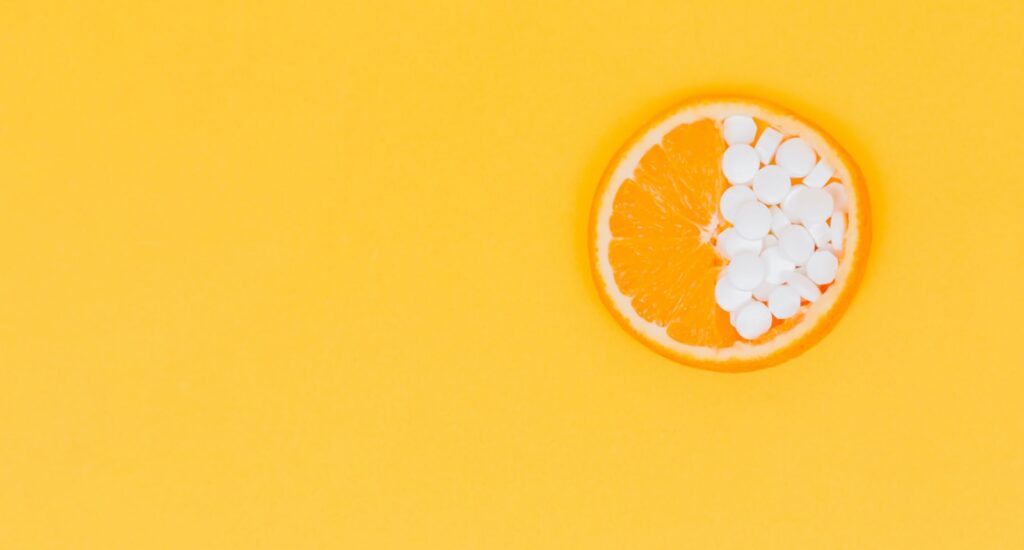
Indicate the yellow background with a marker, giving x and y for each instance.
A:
(313, 275)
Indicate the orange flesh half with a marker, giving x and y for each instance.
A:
(653, 231)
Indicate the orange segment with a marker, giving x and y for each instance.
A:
(661, 225)
(653, 228)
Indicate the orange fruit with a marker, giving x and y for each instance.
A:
(653, 226)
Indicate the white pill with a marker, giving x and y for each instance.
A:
(821, 233)
(764, 290)
(728, 297)
(839, 199)
(784, 302)
(796, 157)
(767, 143)
(790, 203)
(769, 240)
(804, 286)
(753, 220)
(753, 320)
(819, 174)
(733, 197)
(822, 267)
(730, 243)
(732, 314)
(746, 271)
(796, 243)
(739, 129)
(813, 206)
(771, 184)
(776, 266)
(740, 163)
(779, 219)
(838, 228)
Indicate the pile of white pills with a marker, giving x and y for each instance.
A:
(786, 225)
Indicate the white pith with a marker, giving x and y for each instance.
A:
(718, 111)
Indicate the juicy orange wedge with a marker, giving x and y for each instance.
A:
(653, 227)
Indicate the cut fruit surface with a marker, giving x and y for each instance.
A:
(656, 222)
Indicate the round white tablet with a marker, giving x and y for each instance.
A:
(764, 290)
(822, 267)
(796, 243)
(803, 286)
(771, 184)
(728, 297)
(730, 242)
(839, 200)
(784, 302)
(739, 129)
(753, 220)
(753, 320)
(746, 271)
(779, 219)
(820, 232)
(733, 197)
(732, 314)
(796, 157)
(776, 266)
(837, 226)
(740, 163)
(789, 204)
(814, 206)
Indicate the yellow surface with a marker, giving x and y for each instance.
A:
(315, 277)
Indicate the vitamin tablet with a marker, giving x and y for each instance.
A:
(740, 163)
(745, 271)
(753, 320)
(796, 243)
(784, 302)
(767, 143)
(796, 157)
(752, 220)
(771, 184)
(822, 267)
(739, 129)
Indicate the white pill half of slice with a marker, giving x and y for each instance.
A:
(790, 203)
(764, 290)
(821, 234)
(752, 220)
(776, 266)
(740, 163)
(796, 157)
(739, 129)
(730, 243)
(767, 143)
(745, 271)
(796, 243)
(779, 219)
(753, 320)
(837, 226)
(784, 302)
(822, 267)
(728, 297)
(803, 286)
(819, 174)
(771, 184)
(813, 206)
(733, 197)
(839, 200)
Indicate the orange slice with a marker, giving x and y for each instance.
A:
(653, 226)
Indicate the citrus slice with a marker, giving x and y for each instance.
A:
(655, 225)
